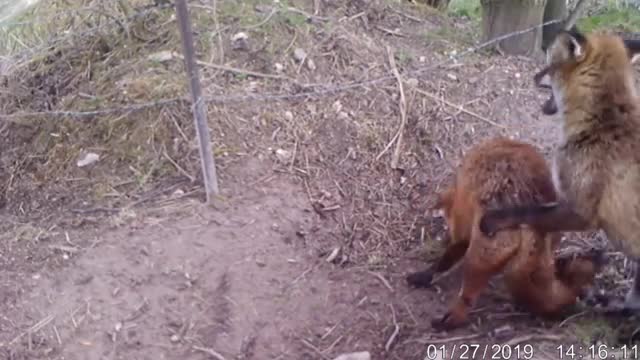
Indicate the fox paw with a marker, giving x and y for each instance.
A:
(447, 322)
(420, 279)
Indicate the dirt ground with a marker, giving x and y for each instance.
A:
(249, 278)
(242, 281)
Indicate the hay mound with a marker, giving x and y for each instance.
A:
(98, 60)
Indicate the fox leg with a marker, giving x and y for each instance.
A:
(481, 263)
(453, 253)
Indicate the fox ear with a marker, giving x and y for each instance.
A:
(633, 49)
(567, 46)
(576, 43)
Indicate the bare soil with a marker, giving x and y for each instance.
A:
(155, 274)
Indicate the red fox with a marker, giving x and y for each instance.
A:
(503, 172)
(597, 163)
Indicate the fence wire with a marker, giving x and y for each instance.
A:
(308, 91)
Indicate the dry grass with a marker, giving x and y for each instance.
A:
(339, 148)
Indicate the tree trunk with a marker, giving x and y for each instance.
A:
(501, 17)
(554, 10)
(439, 4)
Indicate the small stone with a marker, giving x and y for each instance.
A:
(162, 56)
(299, 54)
(283, 155)
(178, 192)
(239, 37)
(240, 41)
(337, 106)
(288, 115)
(311, 65)
(87, 159)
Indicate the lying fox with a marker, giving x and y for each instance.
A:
(503, 172)
(597, 163)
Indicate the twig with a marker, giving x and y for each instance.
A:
(573, 17)
(251, 27)
(460, 108)
(293, 156)
(236, 70)
(216, 355)
(301, 275)
(403, 109)
(565, 321)
(390, 32)
(532, 337)
(57, 334)
(382, 279)
(396, 330)
(35, 328)
(214, 10)
(312, 347)
(64, 248)
(304, 13)
(416, 19)
(178, 167)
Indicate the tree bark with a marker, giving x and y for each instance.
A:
(554, 10)
(501, 17)
(438, 4)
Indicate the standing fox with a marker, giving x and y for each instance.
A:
(503, 172)
(596, 168)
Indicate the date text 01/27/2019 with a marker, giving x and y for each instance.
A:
(482, 351)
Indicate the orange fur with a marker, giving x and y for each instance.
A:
(503, 172)
(597, 163)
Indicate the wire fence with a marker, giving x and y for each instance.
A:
(309, 90)
(19, 60)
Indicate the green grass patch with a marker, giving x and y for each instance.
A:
(612, 18)
(466, 8)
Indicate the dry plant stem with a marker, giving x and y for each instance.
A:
(396, 330)
(565, 321)
(35, 328)
(243, 72)
(178, 167)
(214, 10)
(314, 348)
(530, 338)
(403, 110)
(209, 176)
(382, 279)
(573, 17)
(460, 108)
(266, 20)
(216, 355)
